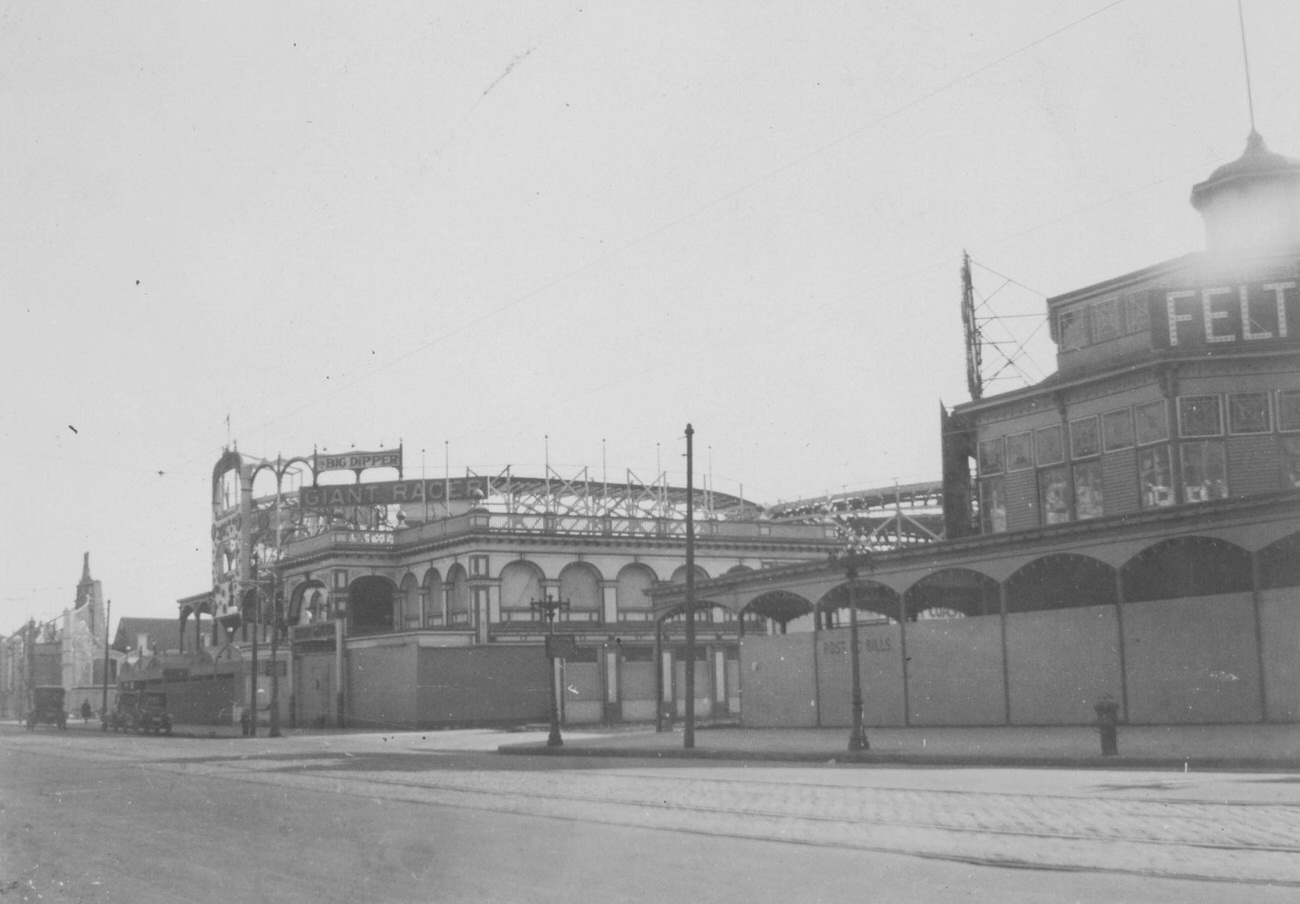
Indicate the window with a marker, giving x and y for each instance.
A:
(993, 506)
(1088, 490)
(478, 566)
(1047, 440)
(432, 607)
(1291, 462)
(1084, 438)
(1136, 313)
(1248, 412)
(1204, 475)
(1117, 429)
(1288, 410)
(1020, 451)
(1200, 416)
(1054, 495)
(1154, 475)
(1073, 328)
(991, 456)
(1105, 320)
(1152, 423)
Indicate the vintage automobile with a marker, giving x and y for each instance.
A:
(140, 711)
(47, 707)
(122, 716)
(151, 713)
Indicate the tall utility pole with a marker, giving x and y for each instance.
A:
(257, 624)
(103, 712)
(688, 733)
(275, 660)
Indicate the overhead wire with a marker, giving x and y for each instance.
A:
(662, 228)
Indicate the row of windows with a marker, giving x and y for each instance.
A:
(1077, 493)
(1103, 320)
(1198, 416)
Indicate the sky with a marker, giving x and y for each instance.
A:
(507, 233)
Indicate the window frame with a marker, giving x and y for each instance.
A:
(1187, 407)
(1234, 429)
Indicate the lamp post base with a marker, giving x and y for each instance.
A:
(858, 740)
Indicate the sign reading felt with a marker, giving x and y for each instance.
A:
(1216, 316)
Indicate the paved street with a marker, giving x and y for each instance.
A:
(331, 816)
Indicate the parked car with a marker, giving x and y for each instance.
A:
(122, 716)
(151, 713)
(47, 707)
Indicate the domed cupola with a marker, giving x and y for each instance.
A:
(1252, 202)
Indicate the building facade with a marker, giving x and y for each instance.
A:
(67, 651)
(417, 603)
(1127, 528)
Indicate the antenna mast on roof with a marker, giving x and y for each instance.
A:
(1245, 60)
(974, 362)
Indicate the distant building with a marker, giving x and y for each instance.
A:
(67, 651)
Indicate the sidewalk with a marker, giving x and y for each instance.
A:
(1174, 747)
(1180, 747)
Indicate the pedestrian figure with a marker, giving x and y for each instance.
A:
(85, 711)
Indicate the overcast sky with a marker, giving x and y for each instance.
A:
(481, 224)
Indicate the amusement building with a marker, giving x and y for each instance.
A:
(383, 600)
(1125, 530)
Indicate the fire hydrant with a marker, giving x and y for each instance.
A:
(1107, 723)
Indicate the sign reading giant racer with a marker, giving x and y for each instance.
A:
(393, 492)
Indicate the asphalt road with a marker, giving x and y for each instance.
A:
(439, 817)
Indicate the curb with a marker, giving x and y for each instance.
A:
(1176, 764)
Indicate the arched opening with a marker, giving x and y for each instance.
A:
(521, 583)
(408, 602)
(249, 603)
(952, 593)
(880, 603)
(458, 596)
(370, 605)
(581, 585)
(313, 603)
(1184, 567)
(1279, 563)
(706, 612)
(431, 599)
(779, 607)
(679, 576)
(630, 592)
(1061, 581)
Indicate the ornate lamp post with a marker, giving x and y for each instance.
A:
(855, 556)
(277, 625)
(548, 606)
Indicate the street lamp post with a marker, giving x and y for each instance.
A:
(277, 623)
(103, 712)
(548, 606)
(854, 557)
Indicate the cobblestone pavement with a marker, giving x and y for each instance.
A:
(1118, 822)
